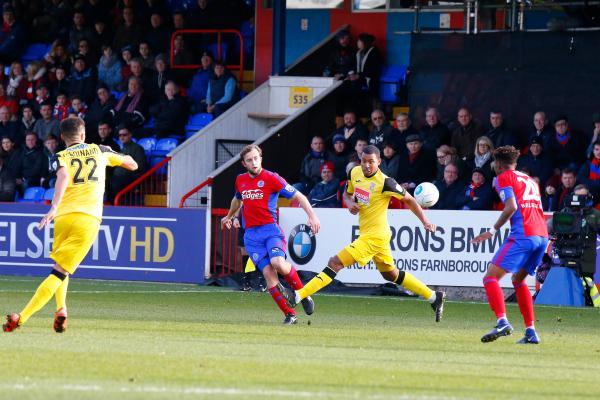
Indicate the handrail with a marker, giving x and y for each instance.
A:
(316, 47)
(239, 66)
(207, 182)
(140, 179)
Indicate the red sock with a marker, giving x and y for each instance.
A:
(293, 279)
(281, 301)
(525, 303)
(495, 296)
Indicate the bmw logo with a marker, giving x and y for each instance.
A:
(302, 244)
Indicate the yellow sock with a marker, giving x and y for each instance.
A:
(411, 283)
(61, 295)
(249, 266)
(317, 283)
(42, 295)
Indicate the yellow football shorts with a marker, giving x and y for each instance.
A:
(367, 248)
(74, 234)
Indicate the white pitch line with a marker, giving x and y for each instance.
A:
(195, 391)
(123, 291)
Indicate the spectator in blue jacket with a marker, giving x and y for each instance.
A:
(199, 87)
(324, 194)
(109, 69)
(12, 36)
(478, 194)
(222, 90)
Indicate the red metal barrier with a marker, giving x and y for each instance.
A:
(152, 183)
(199, 202)
(239, 67)
(225, 255)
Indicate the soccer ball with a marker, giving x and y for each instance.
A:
(426, 194)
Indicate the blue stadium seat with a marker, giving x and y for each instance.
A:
(224, 49)
(35, 52)
(155, 159)
(150, 123)
(148, 143)
(164, 146)
(392, 78)
(34, 194)
(48, 195)
(201, 119)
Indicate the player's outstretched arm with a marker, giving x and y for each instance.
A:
(129, 163)
(510, 207)
(416, 209)
(351, 203)
(313, 220)
(62, 181)
(234, 207)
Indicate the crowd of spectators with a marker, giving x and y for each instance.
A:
(457, 158)
(108, 62)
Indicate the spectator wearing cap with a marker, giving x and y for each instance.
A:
(128, 33)
(541, 129)
(8, 184)
(450, 188)
(170, 114)
(434, 133)
(465, 134)
(404, 129)
(498, 133)
(132, 108)
(478, 195)
(99, 111)
(416, 165)
(109, 68)
(352, 130)
(122, 177)
(80, 30)
(390, 162)
(82, 81)
(568, 147)
(46, 124)
(482, 157)
(126, 56)
(595, 133)
(7, 126)
(339, 156)
(199, 86)
(382, 130)
(310, 169)
(537, 162)
(324, 194)
(589, 173)
(343, 59)
(222, 90)
(159, 76)
(159, 35)
(12, 35)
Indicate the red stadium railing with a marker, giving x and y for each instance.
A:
(150, 189)
(219, 32)
(200, 202)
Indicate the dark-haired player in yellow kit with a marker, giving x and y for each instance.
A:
(368, 194)
(76, 211)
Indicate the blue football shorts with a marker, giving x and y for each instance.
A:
(263, 243)
(517, 253)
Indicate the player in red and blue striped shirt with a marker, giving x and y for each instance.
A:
(522, 250)
(258, 190)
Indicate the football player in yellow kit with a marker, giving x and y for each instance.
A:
(368, 194)
(76, 211)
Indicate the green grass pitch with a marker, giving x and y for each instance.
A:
(149, 341)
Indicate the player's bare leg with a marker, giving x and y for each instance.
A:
(525, 302)
(410, 282)
(43, 294)
(276, 290)
(495, 297)
(290, 275)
